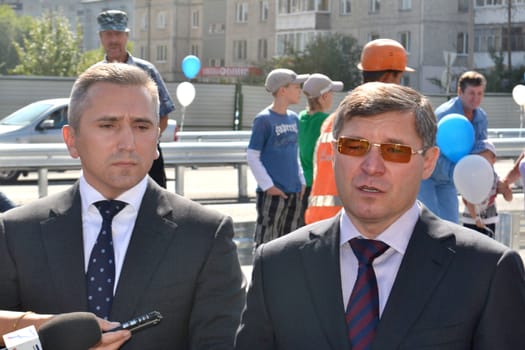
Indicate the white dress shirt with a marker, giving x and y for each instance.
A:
(122, 224)
(387, 264)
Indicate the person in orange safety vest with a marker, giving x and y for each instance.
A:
(383, 60)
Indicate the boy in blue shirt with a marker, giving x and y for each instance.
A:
(273, 158)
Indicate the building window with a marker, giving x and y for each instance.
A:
(373, 36)
(195, 19)
(483, 3)
(463, 5)
(516, 37)
(162, 53)
(293, 6)
(345, 8)
(215, 62)
(241, 12)
(264, 9)
(320, 5)
(216, 28)
(161, 20)
(487, 39)
(462, 43)
(405, 5)
(240, 50)
(405, 80)
(294, 42)
(144, 22)
(404, 39)
(262, 49)
(195, 50)
(373, 6)
(142, 52)
(283, 7)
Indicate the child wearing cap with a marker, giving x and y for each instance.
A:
(483, 217)
(318, 89)
(273, 158)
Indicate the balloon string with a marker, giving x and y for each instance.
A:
(182, 121)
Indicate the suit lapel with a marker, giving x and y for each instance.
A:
(150, 239)
(320, 257)
(62, 238)
(426, 260)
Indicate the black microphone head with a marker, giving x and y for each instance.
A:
(75, 330)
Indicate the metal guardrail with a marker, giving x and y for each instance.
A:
(510, 229)
(196, 148)
(213, 136)
(506, 132)
(509, 142)
(510, 147)
(54, 156)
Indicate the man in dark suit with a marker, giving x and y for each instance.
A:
(432, 285)
(170, 254)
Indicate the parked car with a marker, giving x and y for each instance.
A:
(42, 122)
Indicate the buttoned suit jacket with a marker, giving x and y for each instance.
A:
(455, 289)
(181, 261)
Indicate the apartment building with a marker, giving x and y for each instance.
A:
(426, 28)
(250, 35)
(492, 28)
(234, 37)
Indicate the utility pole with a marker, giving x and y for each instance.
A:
(470, 35)
(509, 35)
(148, 38)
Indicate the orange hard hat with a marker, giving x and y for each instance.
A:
(384, 54)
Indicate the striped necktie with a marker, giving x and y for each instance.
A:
(362, 312)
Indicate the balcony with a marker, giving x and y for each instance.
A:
(303, 21)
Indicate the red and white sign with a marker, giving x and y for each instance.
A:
(229, 71)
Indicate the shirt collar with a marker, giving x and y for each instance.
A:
(129, 59)
(396, 235)
(133, 196)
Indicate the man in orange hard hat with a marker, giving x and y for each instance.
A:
(383, 60)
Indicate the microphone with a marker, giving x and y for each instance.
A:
(75, 330)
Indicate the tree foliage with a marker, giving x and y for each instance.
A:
(89, 58)
(12, 30)
(335, 55)
(499, 78)
(50, 48)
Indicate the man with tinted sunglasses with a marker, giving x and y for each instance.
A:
(383, 60)
(385, 272)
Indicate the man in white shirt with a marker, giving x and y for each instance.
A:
(385, 272)
(165, 253)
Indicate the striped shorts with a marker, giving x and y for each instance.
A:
(277, 216)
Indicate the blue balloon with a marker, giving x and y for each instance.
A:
(191, 65)
(455, 136)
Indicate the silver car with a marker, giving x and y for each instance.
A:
(41, 122)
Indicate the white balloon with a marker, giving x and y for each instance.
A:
(473, 178)
(185, 93)
(518, 94)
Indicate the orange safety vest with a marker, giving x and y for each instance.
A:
(324, 201)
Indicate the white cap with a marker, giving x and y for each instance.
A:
(489, 146)
(281, 77)
(318, 84)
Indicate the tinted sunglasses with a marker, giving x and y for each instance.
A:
(392, 152)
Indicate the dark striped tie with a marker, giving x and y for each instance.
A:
(362, 312)
(100, 276)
